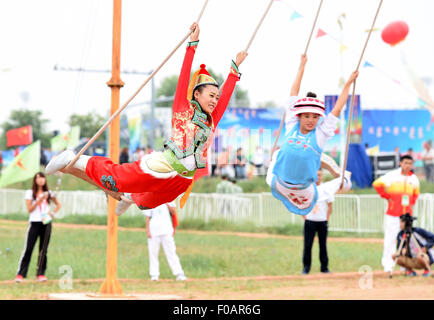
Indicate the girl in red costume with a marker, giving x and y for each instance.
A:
(160, 177)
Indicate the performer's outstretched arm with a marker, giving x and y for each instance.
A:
(342, 100)
(295, 89)
(228, 88)
(180, 101)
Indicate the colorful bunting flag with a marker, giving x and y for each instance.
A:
(342, 48)
(320, 33)
(295, 15)
(421, 103)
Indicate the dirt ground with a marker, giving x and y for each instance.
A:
(375, 285)
(339, 286)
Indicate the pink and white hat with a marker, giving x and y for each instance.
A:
(311, 105)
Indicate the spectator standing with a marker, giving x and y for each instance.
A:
(124, 156)
(258, 161)
(223, 164)
(240, 164)
(137, 154)
(160, 228)
(427, 157)
(38, 204)
(43, 160)
(400, 187)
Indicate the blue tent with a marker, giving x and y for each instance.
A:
(360, 166)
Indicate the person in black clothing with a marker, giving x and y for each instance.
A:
(38, 204)
(124, 156)
(240, 165)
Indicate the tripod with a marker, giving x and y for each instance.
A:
(408, 237)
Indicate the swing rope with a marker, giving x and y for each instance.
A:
(115, 114)
(259, 25)
(305, 51)
(350, 115)
(253, 35)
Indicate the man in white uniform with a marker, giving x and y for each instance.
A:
(160, 231)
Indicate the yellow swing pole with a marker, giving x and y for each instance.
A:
(111, 285)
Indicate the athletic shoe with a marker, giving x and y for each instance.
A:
(19, 278)
(325, 271)
(124, 204)
(181, 277)
(41, 278)
(410, 273)
(154, 278)
(426, 273)
(305, 271)
(59, 162)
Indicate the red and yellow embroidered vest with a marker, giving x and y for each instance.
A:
(191, 134)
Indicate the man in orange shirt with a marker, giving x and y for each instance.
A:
(400, 187)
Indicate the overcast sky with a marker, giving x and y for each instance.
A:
(36, 35)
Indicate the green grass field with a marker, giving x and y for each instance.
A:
(202, 256)
(218, 265)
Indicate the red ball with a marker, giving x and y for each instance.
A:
(395, 32)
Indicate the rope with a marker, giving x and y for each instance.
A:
(259, 25)
(313, 27)
(253, 35)
(115, 114)
(305, 52)
(350, 115)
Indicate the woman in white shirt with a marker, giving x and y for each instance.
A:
(38, 201)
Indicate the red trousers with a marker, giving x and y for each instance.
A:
(147, 191)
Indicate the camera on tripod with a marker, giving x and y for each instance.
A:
(408, 219)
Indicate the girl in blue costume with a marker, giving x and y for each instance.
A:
(293, 170)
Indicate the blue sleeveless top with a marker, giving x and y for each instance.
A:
(299, 158)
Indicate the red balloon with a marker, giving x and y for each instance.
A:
(394, 32)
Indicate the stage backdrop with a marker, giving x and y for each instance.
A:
(248, 129)
(403, 129)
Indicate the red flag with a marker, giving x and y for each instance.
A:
(20, 136)
(320, 33)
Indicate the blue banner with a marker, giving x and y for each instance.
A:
(392, 129)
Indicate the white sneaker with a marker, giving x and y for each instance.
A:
(59, 162)
(181, 277)
(154, 278)
(124, 204)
